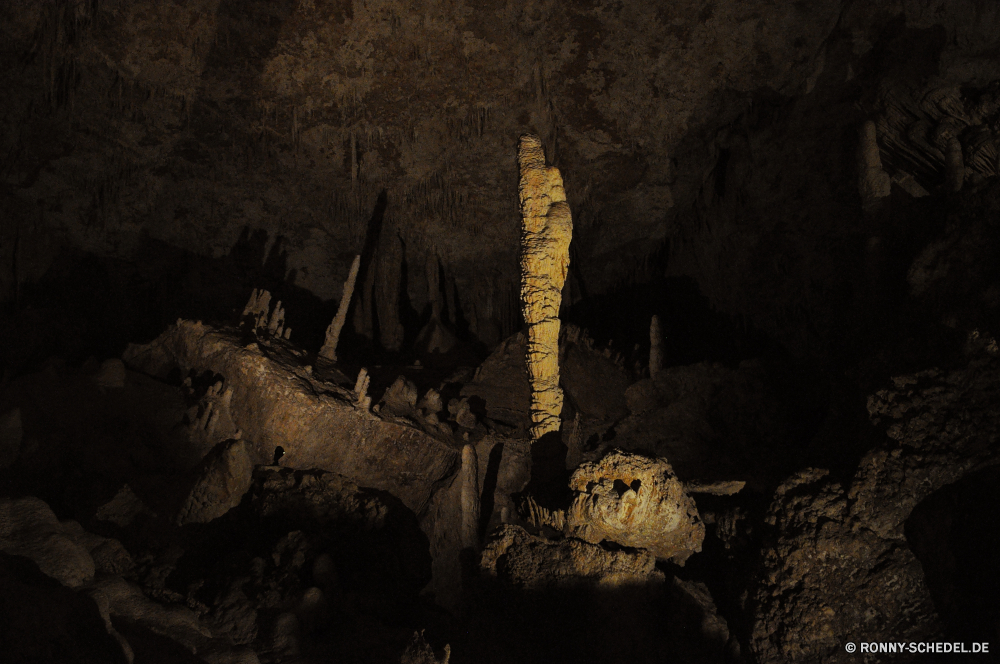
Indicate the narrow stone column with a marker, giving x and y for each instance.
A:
(329, 349)
(546, 232)
(655, 346)
(470, 498)
(873, 182)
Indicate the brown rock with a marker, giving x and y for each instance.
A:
(524, 560)
(635, 501)
(224, 477)
(274, 404)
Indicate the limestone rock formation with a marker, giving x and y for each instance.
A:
(329, 349)
(593, 381)
(275, 403)
(261, 319)
(469, 483)
(655, 346)
(635, 501)
(954, 165)
(546, 233)
(418, 651)
(826, 579)
(29, 528)
(526, 561)
(224, 477)
(840, 562)
(873, 182)
(377, 552)
(123, 508)
(400, 398)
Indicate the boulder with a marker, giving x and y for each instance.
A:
(275, 402)
(224, 476)
(526, 561)
(635, 501)
(30, 529)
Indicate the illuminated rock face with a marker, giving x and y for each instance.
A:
(546, 231)
(635, 501)
(329, 349)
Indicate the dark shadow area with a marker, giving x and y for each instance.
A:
(693, 331)
(955, 533)
(90, 306)
(631, 622)
(43, 621)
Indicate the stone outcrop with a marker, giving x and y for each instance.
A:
(329, 349)
(826, 579)
(530, 562)
(224, 476)
(840, 564)
(276, 403)
(635, 501)
(873, 182)
(29, 528)
(546, 233)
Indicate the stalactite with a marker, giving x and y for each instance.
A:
(547, 230)
(329, 349)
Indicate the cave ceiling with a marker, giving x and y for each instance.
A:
(710, 128)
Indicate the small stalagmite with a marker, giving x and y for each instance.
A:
(546, 232)
(470, 498)
(873, 182)
(655, 346)
(329, 349)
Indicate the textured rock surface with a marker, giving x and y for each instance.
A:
(376, 545)
(546, 233)
(224, 477)
(524, 560)
(276, 403)
(944, 424)
(841, 562)
(827, 579)
(29, 528)
(635, 501)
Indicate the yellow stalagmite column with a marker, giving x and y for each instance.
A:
(546, 231)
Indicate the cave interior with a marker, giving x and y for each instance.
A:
(270, 361)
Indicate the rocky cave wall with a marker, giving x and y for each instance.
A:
(803, 193)
(708, 140)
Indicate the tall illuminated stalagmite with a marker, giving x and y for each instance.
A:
(546, 231)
